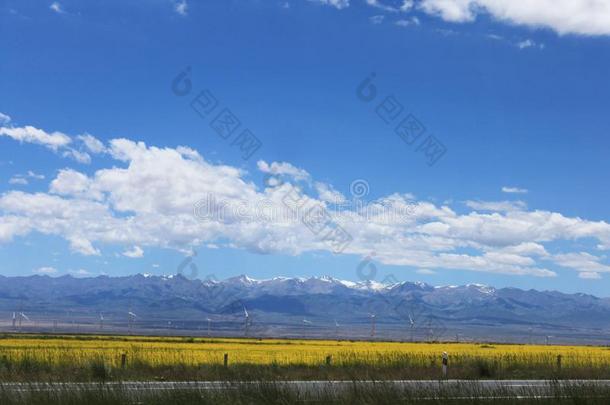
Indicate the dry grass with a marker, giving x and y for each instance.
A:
(184, 358)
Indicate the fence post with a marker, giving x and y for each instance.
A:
(123, 360)
(329, 360)
(445, 364)
(226, 360)
(559, 356)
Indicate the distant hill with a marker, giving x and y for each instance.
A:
(306, 307)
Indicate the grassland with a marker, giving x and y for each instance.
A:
(95, 358)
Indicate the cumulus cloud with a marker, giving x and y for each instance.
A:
(497, 205)
(282, 169)
(580, 17)
(406, 5)
(92, 144)
(56, 141)
(327, 193)
(582, 262)
(79, 156)
(23, 179)
(4, 119)
(134, 253)
(584, 17)
(174, 198)
(29, 134)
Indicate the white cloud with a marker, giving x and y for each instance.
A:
(29, 134)
(55, 6)
(148, 197)
(56, 141)
(526, 44)
(589, 275)
(376, 19)
(529, 43)
(581, 261)
(80, 273)
(4, 119)
(92, 144)
(22, 179)
(328, 194)
(514, 190)
(449, 10)
(382, 5)
(282, 169)
(80, 157)
(18, 180)
(426, 272)
(181, 7)
(407, 22)
(45, 270)
(503, 206)
(584, 17)
(526, 249)
(495, 37)
(72, 183)
(81, 245)
(338, 4)
(134, 253)
(34, 175)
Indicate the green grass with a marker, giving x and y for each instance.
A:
(29, 369)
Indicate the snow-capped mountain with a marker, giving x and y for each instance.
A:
(279, 305)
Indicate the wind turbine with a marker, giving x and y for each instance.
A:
(19, 315)
(411, 326)
(247, 321)
(372, 316)
(307, 323)
(132, 318)
(14, 319)
(22, 316)
(101, 321)
(336, 329)
(209, 327)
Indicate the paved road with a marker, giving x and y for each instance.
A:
(480, 387)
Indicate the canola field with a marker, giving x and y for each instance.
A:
(195, 352)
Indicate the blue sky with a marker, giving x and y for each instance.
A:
(516, 97)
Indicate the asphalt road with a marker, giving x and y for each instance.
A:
(478, 387)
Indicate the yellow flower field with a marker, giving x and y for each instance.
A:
(156, 351)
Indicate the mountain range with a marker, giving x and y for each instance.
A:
(316, 307)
